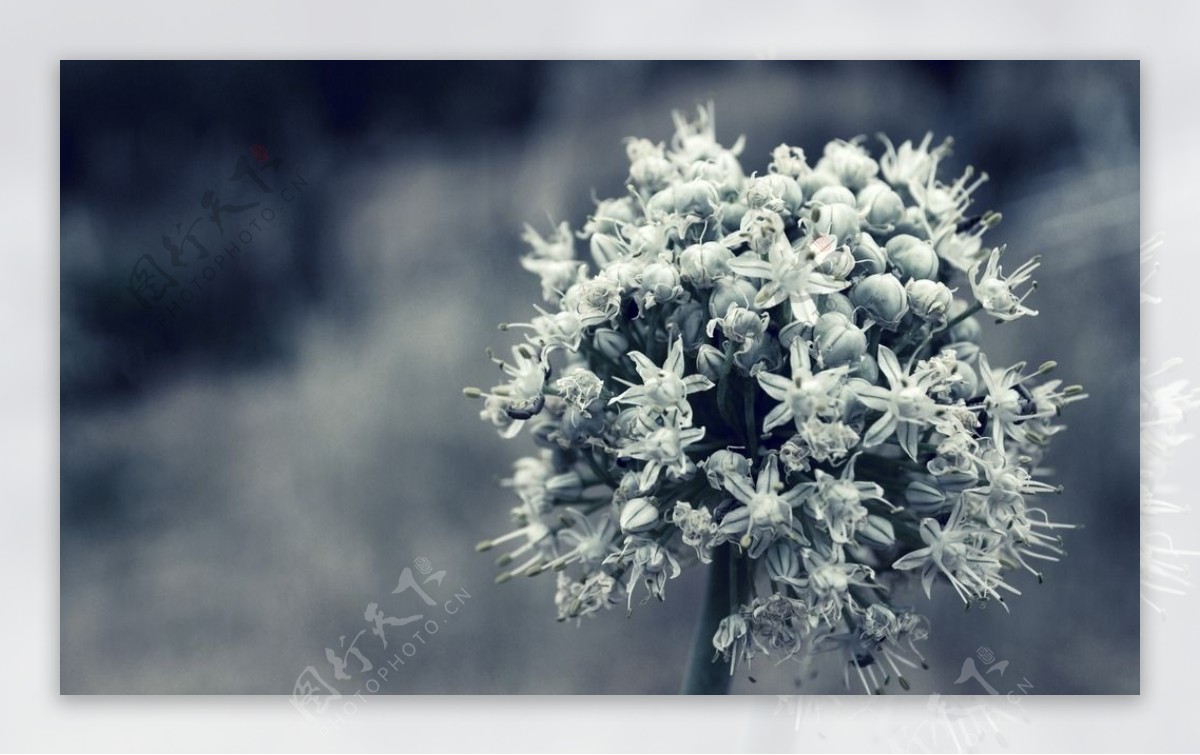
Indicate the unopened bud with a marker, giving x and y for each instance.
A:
(929, 299)
(838, 340)
(611, 344)
(912, 257)
(638, 515)
(882, 298)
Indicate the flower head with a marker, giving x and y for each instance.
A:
(778, 377)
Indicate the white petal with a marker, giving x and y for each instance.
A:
(909, 434)
(674, 363)
(890, 366)
(880, 431)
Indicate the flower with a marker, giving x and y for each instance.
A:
(789, 275)
(765, 513)
(883, 449)
(732, 640)
(663, 389)
(905, 404)
(964, 554)
(652, 564)
(836, 503)
(576, 599)
(805, 395)
(909, 164)
(665, 451)
(996, 294)
(697, 529)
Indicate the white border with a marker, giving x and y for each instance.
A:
(34, 36)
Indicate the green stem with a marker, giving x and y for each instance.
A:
(751, 424)
(962, 316)
(875, 338)
(704, 675)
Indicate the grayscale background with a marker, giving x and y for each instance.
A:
(241, 477)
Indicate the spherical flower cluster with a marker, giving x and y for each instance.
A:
(779, 375)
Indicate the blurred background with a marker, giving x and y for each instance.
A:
(251, 459)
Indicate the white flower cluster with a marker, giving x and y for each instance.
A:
(773, 374)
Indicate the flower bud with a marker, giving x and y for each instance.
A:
(761, 227)
(741, 325)
(840, 220)
(722, 463)
(579, 387)
(849, 162)
(728, 292)
(697, 197)
(913, 222)
(702, 264)
(731, 214)
(628, 488)
(925, 494)
(789, 161)
(577, 425)
(867, 369)
(929, 300)
(839, 342)
(721, 168)
(912, 257)
(610, 215)
(833, 194)
(967, 384)
(774, 191)
(958, 482)
(877, 532)
(660, 283)
(836, 263)
(814, 181)
(834, 302)
(793, 330)
(648, 166)
(648, 240)
(869, 259)
(880, 205)
(782, 563)
(709, 362)
(638, 515)
(687, 322)
(883, 299)
(623, 274)
(763, 353)
(610, 343)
